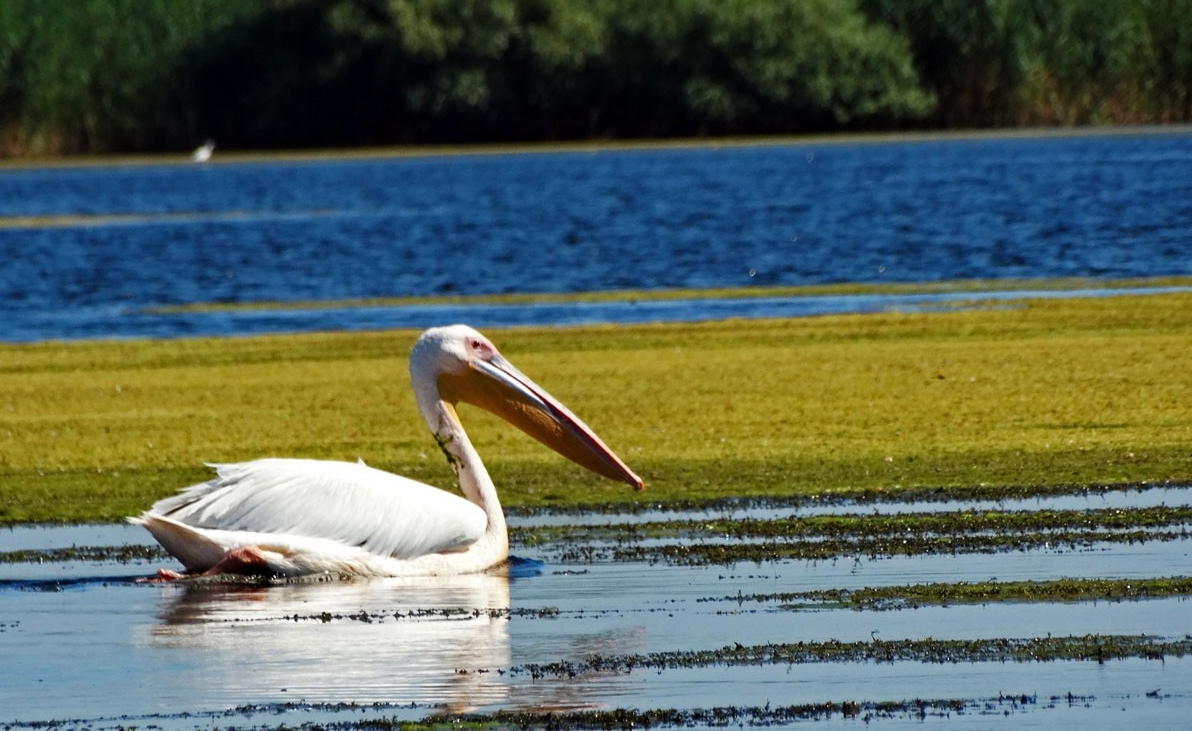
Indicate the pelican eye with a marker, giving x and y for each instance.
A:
(481, 348)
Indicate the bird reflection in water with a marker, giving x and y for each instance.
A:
(436, 641)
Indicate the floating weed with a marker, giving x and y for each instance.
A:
(1099, 648)
(723, 540)
(839, 498)
(700, 554)
(815, 526)
(717, 540)
(393, 717)
(940, 594)
(118, 554)
(716, 717)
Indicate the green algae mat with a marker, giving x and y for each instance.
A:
(1035, 393)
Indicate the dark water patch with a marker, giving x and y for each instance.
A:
(66, 584)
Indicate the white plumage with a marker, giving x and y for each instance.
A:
(294, 517)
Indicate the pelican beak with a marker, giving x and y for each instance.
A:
(496, 386)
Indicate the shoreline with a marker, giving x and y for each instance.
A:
(399, 152)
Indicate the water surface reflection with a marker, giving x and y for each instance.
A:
(434, 640)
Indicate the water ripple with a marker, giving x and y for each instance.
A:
(88, 250)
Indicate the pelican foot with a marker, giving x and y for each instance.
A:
(243, 561)
(163, 576)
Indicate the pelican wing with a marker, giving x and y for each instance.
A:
(350, 503)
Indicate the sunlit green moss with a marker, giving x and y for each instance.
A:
(1049, 392)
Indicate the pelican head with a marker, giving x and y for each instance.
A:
(456, 363)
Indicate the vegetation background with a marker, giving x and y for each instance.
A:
(103, 76)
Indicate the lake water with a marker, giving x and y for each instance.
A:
(86, 647)
(88, 252)
(93, 252)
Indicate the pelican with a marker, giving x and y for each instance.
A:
(295, 517)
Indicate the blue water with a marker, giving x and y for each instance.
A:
(916, 211)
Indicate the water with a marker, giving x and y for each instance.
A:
(96, 250)
(150, 236)
(83, 641)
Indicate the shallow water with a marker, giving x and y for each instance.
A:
(109, 652)
(90, 251)
(108, 322)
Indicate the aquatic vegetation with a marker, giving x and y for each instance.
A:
(724, 540)
(966, 522)
(771, 551)
(394, 717)
(985, 592)
(118, 554)
(780, 441)
(1054, 393)
(206, 611)
(715, 717)
(1096, 648)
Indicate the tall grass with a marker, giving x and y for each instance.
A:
(149, 75)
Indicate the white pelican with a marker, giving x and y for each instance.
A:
(292, 517)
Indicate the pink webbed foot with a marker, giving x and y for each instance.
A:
(243, 561)
(163, 576)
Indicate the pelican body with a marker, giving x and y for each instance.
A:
(295, 517)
